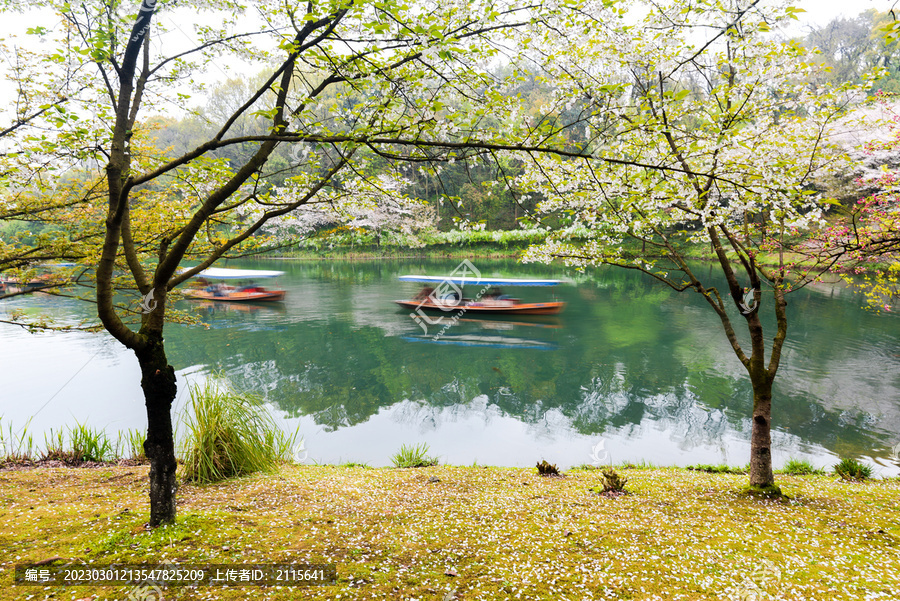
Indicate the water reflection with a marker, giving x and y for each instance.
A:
(646, 369)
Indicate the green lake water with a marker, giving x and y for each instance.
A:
(642, 369)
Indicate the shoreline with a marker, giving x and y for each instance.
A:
(480, 252)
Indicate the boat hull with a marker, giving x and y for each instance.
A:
(237, 297)
(551, 308)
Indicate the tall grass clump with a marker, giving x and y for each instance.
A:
(851, 469)
(89, 444)
(15, 447)
(130, 445)
(55, 447)
(230, 434)
(413, 456)
(82, 444)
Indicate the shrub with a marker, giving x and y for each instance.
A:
(230, 434)
(800, 467)
(851, 469)
(413, 456)
(547, 469)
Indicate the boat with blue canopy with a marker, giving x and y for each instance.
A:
(246, 290)
(445, 293)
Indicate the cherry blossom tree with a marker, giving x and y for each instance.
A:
(734, 136)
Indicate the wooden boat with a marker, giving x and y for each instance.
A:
(490, 300)
(248, 291)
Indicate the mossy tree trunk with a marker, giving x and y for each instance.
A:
(158, 383)
(761, 474)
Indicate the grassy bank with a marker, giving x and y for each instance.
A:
(471, 533)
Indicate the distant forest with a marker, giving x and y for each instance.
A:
(851, 49)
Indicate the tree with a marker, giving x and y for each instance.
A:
(862, 241)
(732, 163)
(35, 200)
(351, 81)
(850, 49)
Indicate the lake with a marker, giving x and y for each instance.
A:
(643, 369)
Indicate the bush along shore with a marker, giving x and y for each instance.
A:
(443, 532)
(459, 244)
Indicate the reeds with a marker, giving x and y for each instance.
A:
(132, 443)
(15, 446)
(230, 434)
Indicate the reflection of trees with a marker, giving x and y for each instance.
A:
(626, 359)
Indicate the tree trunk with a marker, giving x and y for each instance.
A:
(761, 474)
(158, 382)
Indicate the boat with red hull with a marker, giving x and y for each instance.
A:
(444, 294)
(247, 292)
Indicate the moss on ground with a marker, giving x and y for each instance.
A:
(470, 533)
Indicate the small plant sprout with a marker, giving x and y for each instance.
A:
(545, 468)
(612, 482)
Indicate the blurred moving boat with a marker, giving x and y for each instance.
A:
(448, 296)
(246, 290)
(51, 277)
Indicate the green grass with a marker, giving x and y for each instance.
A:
(82, 444)
(88, 444)
(800, 467)
(15, 446)
(505, 533)
(230, 434)
(132, 445)
(413, 456)
(851, 469)
(719, 469)
(640, 465)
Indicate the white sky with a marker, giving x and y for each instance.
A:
(820, 12)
